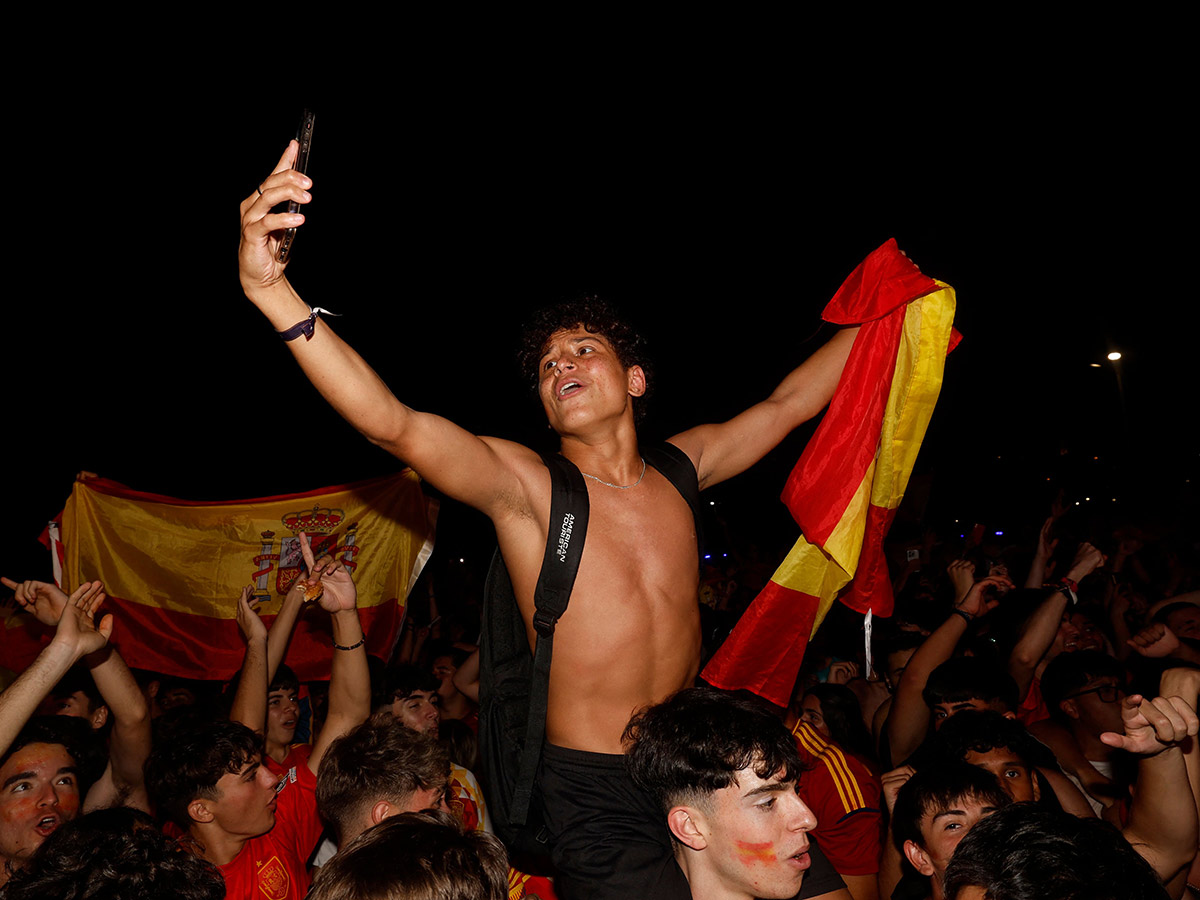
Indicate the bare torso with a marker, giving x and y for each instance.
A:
(631, 634)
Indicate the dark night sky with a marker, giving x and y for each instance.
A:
(719, 215)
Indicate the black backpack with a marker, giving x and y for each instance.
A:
(514, 684)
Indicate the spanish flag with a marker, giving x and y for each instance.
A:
(173, 569)
(844, 491)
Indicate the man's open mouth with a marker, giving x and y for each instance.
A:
(47, 825)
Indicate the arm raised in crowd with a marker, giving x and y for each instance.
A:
(76, 635)
(1162, 823)
(486, 473)
(250, 702)
(123, 781)
(1041, 628)
(908, 719)
(350, 679)
(1045, 549)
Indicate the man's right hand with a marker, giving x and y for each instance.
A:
(1155, 642)
(252, 627)
(1087, 560)
(41, 599)
(77, 627)
(261, 229)
(982, 597)
(892, 781)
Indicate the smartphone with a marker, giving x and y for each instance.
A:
(304, 136)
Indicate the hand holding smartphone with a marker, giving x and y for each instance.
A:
(304, 137)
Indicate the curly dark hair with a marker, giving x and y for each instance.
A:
(1028, 851)
(934, 789)
(843, 716)
(593, 314)
(983, 730)
(416, 856)
(114, 854)
(695, 742)
(378, 760)
(191, 765)
(81, 742)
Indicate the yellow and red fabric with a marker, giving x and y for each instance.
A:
(844, 491)
(173, 569)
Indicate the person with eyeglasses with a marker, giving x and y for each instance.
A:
(1083, 691)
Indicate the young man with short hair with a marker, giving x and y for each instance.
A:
(210, 780)
(40, 779)
(934, 809)
(641, 541)
(722, 771)
(378, 770)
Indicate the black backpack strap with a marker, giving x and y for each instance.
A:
(677, 468)
(560, 564)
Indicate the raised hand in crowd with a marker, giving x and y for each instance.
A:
(123, 780)
(962, 576)
(984, 595)
(76, 635)
(1162, 824)
(842, 671)
(1155, 641)
(1045, 550)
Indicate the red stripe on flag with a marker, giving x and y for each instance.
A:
(196, 646)
(780, 619)
(871, 588)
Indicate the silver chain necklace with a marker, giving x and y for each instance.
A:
(619, 487)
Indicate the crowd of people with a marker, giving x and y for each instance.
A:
(987, 740)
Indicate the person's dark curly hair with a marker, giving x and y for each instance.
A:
(76, 735)
(191, 765)
(843, 716)
(970, 678)
(984, 730)
(935, 789)
(695, 742)
(114, 854)
(1029, 852)
(592, 314)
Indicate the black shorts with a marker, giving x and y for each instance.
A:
(610, 839)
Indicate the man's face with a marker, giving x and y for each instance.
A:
(418, 711)
(580, 376)
(1097, 705)
(810, 712)
(1185, 623)
(896, 664)
(245, 801)
(283, 712)
(757, 835)
(1013, 774)
(943, 711)
(1066, 640)
(941, 830)
(39, 790)
(1089, 635)
(77, 704)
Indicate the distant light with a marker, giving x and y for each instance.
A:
(712, 502)
(1114, 356)
(1114, 499)
(1076, 502)
(999, 534)
(997, 457)
(1087, 498)
(1094, 365)
(962, 535)
(1095, 457)
(461, 560)
(708, 556)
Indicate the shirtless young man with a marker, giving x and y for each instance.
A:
(632, 634)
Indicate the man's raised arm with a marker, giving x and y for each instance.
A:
(720, 451)
(477, 471)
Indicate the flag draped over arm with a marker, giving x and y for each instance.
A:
(844, 491)
(173, 569)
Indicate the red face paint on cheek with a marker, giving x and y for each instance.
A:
(750, 853)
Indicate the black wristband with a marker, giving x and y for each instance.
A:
(361, 641)
(967, 617)
(304, 327)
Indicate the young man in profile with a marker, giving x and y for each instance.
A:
(722, 771)
(256, 827)
(632, 634)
